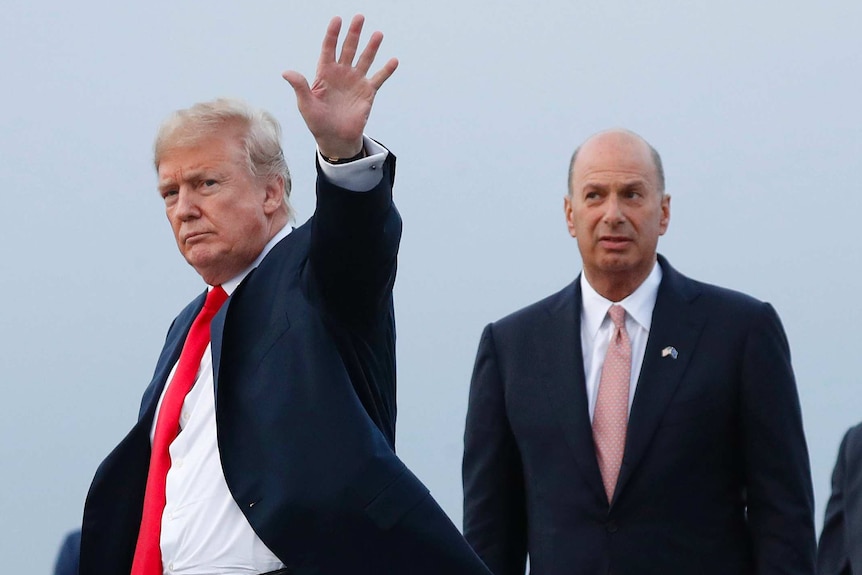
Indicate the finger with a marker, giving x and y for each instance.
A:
(351, 41)
(330, 40)
(383, 74)
(370, 52)
(299, 84)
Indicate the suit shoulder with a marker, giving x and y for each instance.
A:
(731, 296)
(188, 313)
(294, 245)
(710, 296)
(538, 311)
(853, 438)
(728, 300)
(730, 313)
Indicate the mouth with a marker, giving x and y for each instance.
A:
(194, 237)
(614, 242)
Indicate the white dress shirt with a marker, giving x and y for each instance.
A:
(597, 328)
(204, 532)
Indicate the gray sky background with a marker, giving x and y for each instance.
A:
(754, 107)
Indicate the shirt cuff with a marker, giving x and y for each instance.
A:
(360, 175)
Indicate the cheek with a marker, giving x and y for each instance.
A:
(175, 227)
(587, 224)
(247, 226)
(586, 246)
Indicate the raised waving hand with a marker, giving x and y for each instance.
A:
(337, 104)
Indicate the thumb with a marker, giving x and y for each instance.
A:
(299, 84)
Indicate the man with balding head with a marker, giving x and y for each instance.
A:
(637, 421)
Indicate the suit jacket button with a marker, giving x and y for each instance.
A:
(611, 526)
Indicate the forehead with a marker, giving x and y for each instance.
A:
(219, 151)
(616, 157)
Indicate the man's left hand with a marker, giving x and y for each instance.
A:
(337, 105)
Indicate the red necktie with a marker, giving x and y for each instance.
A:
(612, 405)
(148, 554)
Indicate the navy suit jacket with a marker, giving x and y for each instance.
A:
(715, 477)
(304, 375)
(840, 549)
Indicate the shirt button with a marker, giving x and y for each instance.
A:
(612, 526)
(178, 463)
(170, 516)
(171, 566)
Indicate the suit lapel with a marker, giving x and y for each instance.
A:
(169, 356)
(675, 323)
(266, 323)
(566, 382)
(216, 339)
(255, 327)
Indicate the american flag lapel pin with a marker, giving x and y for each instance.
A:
(669, 351)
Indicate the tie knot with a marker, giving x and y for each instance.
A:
(618, 316)
(215, 298)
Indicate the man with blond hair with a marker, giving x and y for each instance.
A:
(265, 440)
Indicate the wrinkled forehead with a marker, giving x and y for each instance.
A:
(205, 155)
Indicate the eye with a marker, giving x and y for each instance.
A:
(209, 183)
(170, 196)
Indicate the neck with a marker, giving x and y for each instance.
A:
(616, 287)
(277, 223)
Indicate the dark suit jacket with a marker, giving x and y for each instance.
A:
(840, 549)
(67, 557)
(304, 368)
(715, 477)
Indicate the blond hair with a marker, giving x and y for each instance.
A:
(261, 137)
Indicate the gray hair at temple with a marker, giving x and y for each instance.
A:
(656, 160)
(262, 139)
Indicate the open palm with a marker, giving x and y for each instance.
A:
(337, 105)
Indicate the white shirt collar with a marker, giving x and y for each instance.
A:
(230, 285)
(639, 304)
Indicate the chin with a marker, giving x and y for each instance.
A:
(203, 266)
(618, 264)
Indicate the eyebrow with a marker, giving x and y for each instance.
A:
(188, 176)
(636, 182)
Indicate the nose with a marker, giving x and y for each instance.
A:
(186, 207)
(613, 211)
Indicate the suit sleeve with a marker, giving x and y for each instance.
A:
(780, 499)
(354, 247)
(494, 500)
(352, 263)
(832, 558)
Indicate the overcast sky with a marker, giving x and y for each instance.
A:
(754, 107)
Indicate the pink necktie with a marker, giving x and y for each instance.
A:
(612, 405)
(148, 554)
